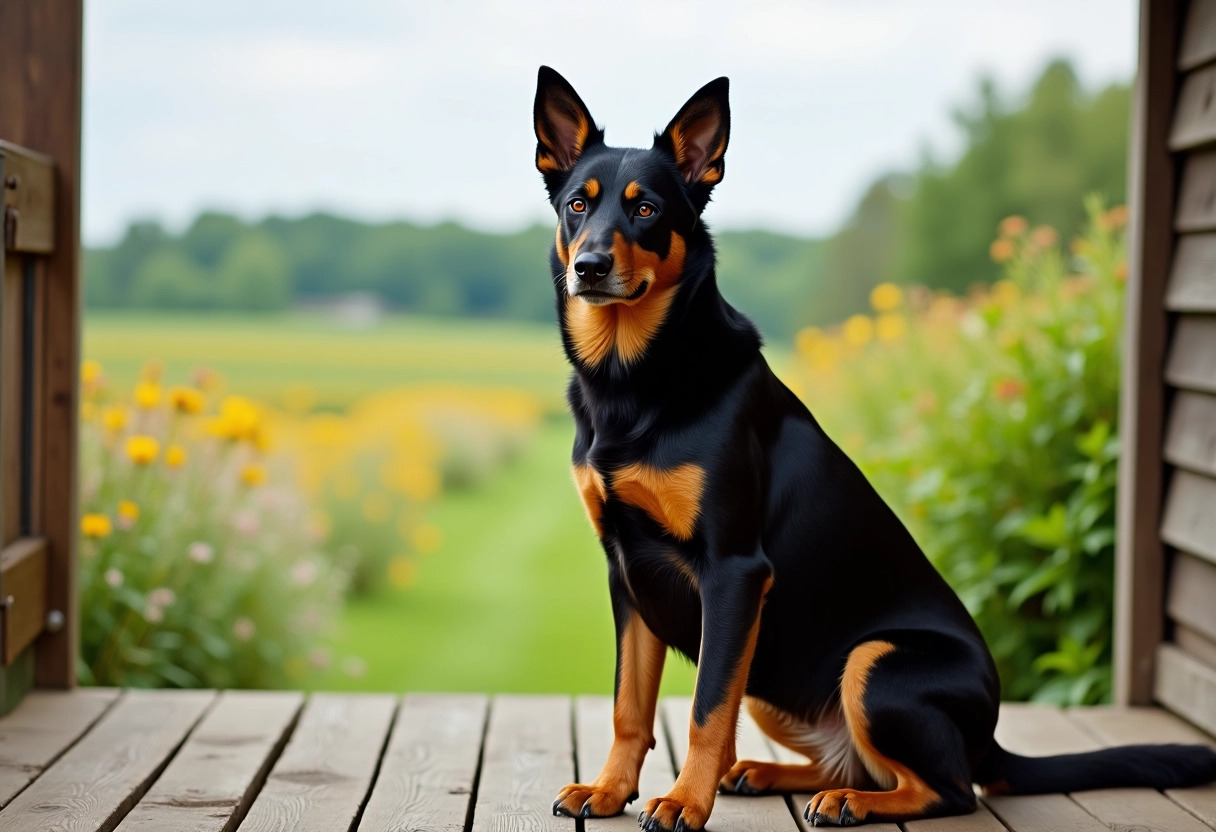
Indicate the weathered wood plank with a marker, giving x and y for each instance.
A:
(1198, 35)
(1190, 521)
(1192, 286)
(1190, 440)
(1196, 643)
(981, 820)
(1041, 730)
(429, 768)
(528, 758)
(214, 777)
(1127, 726)
(756, 814)
(99, 779)
(1197, 193)
(593, 738)
(1190, 363)
(1139, 554)
(1193, 593)
(42, 727)
(1187, 686)
(1195, 116)
(322, 779)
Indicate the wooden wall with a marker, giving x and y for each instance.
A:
(1166, 642)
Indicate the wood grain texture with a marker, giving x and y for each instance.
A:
(593, 738)
(430, 765)
(1198, 35)
(1187, 686)
(1190, 363)
(94, 784)
(10, 400)
(1196, 643)
(1040, 730)
(210, 784)
(731, 812)
(23, 575)
(1192, 595)
(1140, 557)
(1190, 440)
(1127, 726)
(528, 758)
(322, 779)
(41, 728)
(1192, 285)
(1195, 116)
(1197, 193)
(1190, 520)
(40, 66)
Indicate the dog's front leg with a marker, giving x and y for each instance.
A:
(639, 667)
(732, 593)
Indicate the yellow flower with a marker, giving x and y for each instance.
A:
(90, 372)
(147, 394)
(253, 475)
(1000, 250)
(95, 525)
(1006, 292)
(376, 507)
(143, 449)
(886, 297)
(186, 400)
(239, 419)
(858, 330)
(401, 571)
(114, 418)
(128, 510)
(824, 354)
(175, 456)
(890, 326)
(807, 339)
(420, 482)
(1013, 226)
(427, 538)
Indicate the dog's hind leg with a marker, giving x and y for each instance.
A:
(891, 696)
(831, 761)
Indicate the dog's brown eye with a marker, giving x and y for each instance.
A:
(578, 206)
(645, 210)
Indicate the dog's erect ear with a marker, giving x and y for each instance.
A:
(698, 135)
(564, 128)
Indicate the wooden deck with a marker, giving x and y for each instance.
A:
(172, 761)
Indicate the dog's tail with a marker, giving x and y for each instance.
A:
(1152, 766)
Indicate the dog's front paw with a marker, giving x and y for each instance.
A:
(831, 808)
(579, 801)
(673, 813)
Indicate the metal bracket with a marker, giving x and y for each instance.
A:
(29, 199)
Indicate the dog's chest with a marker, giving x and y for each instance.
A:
(671, 496)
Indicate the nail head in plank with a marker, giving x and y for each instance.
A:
(756, 814)
(42, 727)
(1130, 726)
(1190, 522)
(1192, 282)
(94, 784)
(216, 774)
(1190, 440)
(430, 765)
(323, 776)
(1190, 363)
(528, 758)
(592, 740)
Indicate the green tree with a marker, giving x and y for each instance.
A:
(253, 274)
(168, 280)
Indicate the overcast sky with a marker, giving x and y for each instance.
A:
(386, 109)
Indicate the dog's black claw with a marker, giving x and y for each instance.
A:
(585, 811)
(556, 803)
(680, 825)
(642, 820)
(847, 818)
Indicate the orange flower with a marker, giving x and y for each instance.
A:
(1001, 250)
(1114, 218)
(1013, 226)
(1044, 237)
(1009, 388)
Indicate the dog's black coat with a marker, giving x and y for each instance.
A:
(781, 508)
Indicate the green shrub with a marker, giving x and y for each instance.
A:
(990, 425)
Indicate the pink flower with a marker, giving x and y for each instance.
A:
(243, 629)
(201, 552)
(113, 577)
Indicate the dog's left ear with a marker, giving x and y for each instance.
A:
(564, 128)
(697, 138)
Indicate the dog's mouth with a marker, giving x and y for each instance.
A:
(600, 297)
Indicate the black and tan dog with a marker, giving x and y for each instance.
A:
(739, 534)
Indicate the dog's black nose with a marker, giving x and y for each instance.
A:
(595, 264)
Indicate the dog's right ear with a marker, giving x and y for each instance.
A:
(564, 128)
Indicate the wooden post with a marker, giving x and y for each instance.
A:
(40, 66)
(1140, 555)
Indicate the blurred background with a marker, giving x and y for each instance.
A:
(323, 436)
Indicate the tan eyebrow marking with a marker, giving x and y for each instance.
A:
(592, 188)
(632, 190)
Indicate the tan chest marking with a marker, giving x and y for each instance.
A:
(672, 497)
(593, 493)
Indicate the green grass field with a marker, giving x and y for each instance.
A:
(516, 597)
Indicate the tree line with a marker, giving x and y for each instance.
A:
(1037, 157)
